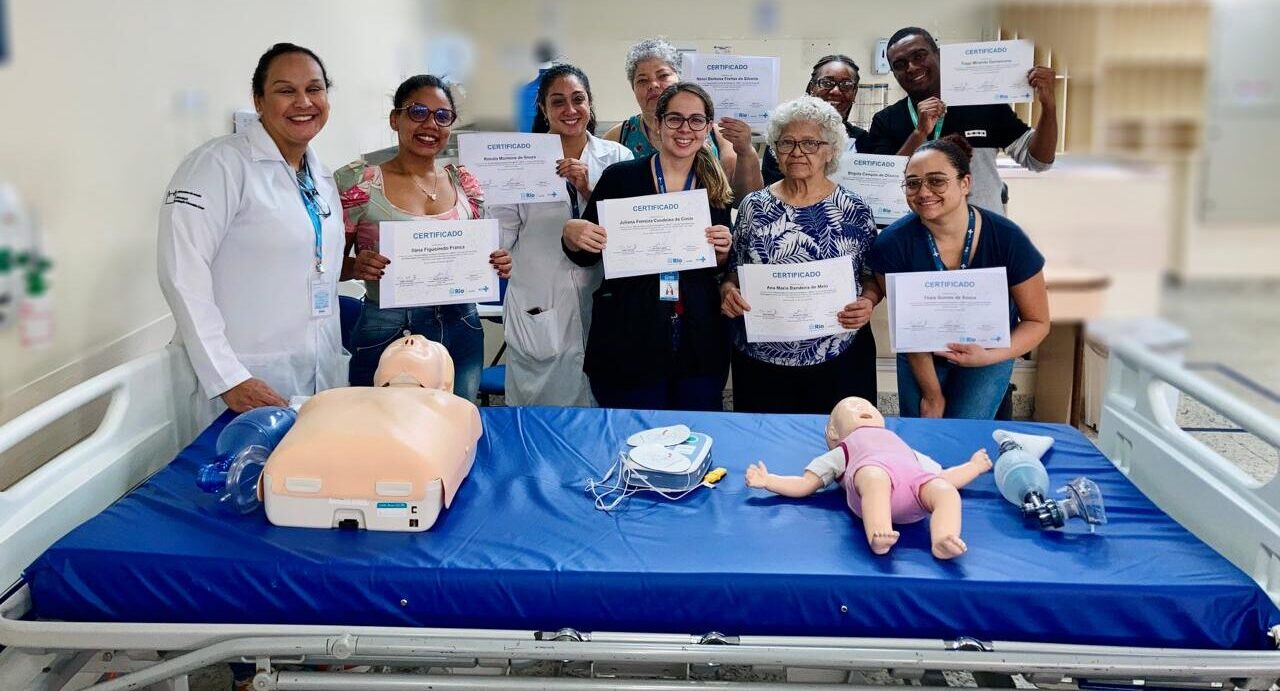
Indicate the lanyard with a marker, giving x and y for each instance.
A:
(307, 188)
(573, 199)
(662, 182)
(915, 120)
(964, 254)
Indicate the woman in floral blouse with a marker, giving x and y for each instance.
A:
(803, 217)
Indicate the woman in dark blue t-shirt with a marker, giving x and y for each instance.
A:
(967, 380)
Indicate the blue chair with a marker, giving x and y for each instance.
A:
(493, 379)
(348, 314)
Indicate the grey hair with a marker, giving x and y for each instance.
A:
(817, 111)
(652, 49)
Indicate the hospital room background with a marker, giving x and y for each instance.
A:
(1158, 221)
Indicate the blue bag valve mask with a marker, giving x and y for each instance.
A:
(242, 450)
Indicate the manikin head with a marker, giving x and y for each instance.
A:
(850, 414)
(415, 361)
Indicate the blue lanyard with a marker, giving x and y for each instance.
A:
(915, 119)
(573, 199)
(964, 254)
(662, 182)
(307, 188)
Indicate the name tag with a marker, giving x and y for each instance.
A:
(975, 133)
(321, 295)
(669, 286)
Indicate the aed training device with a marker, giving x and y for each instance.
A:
(669, 461)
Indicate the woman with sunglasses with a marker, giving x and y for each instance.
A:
(802, 218)
(548, 305)
(412, 187)
(250, 245)
(658, 342)
(834, 79)
(947, 232)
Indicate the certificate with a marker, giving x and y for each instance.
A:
(877, 180)
(929, 309)
(742, 87)
(437, 262)
(656, 233)
(514, 168)
(794, 302)
(993, 72)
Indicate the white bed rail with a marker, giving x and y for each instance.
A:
(1221, 504)
(148, 420)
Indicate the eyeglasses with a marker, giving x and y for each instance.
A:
(311, 196)
(673, 121)
(419, 113)
(827, 84)
(807, 146)
(936, 183)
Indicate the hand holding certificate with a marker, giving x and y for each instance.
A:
(991, 72)
(437, 262)
(928, 310)
(794, 302)
(514, 168)
(877, 180)
(656, 233)
(741, 87)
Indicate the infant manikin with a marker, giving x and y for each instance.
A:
(885, 481)
(382, 458)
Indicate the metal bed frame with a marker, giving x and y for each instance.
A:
(150, 419)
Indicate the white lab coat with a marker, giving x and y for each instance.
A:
(236, 255)
(545, 350)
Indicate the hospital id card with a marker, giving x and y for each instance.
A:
(321, 290)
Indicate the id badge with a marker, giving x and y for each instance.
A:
(321, 295)
(669, 286)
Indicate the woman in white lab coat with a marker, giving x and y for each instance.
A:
(547, 312)
(250, 247)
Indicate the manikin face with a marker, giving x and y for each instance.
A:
(415, 361)
(850, 414)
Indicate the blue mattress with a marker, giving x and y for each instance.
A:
(523, 548)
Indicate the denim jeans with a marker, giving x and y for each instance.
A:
(456, 327)
(972, 393)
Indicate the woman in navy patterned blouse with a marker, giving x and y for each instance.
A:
(803, 217)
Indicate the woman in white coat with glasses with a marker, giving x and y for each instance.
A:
(250, 247)
(547, 311)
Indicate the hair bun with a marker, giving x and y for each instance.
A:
(961, 143)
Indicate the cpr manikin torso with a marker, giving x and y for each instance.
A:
(387, 457)
(885, 481)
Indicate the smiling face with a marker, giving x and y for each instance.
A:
(940, 192)
(915, 65)
(567, 106)
(652, 77)
(839, 98)
(294, 105)
(428, 138)
(683, 141)
(850, 414)
(796, 164)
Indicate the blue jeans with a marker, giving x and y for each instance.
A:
(972, 393)
(456, 327)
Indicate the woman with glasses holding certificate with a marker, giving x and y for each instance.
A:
(657, 341)
(834, 79)
(547, 310)
(250, 247)
(805, 217)
(947, 232)
(412, 187)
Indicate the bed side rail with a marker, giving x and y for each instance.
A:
(1221, 504)
(148, 420)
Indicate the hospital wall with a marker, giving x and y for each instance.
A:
(101, 100)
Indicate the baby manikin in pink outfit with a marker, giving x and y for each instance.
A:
(885, 481)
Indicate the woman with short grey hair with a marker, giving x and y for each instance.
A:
(804, 217)
(653, 65)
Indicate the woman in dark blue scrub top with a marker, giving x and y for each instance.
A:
(945, 232)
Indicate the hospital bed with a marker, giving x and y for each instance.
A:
(119, 566)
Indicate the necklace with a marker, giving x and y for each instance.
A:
(434, 186)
